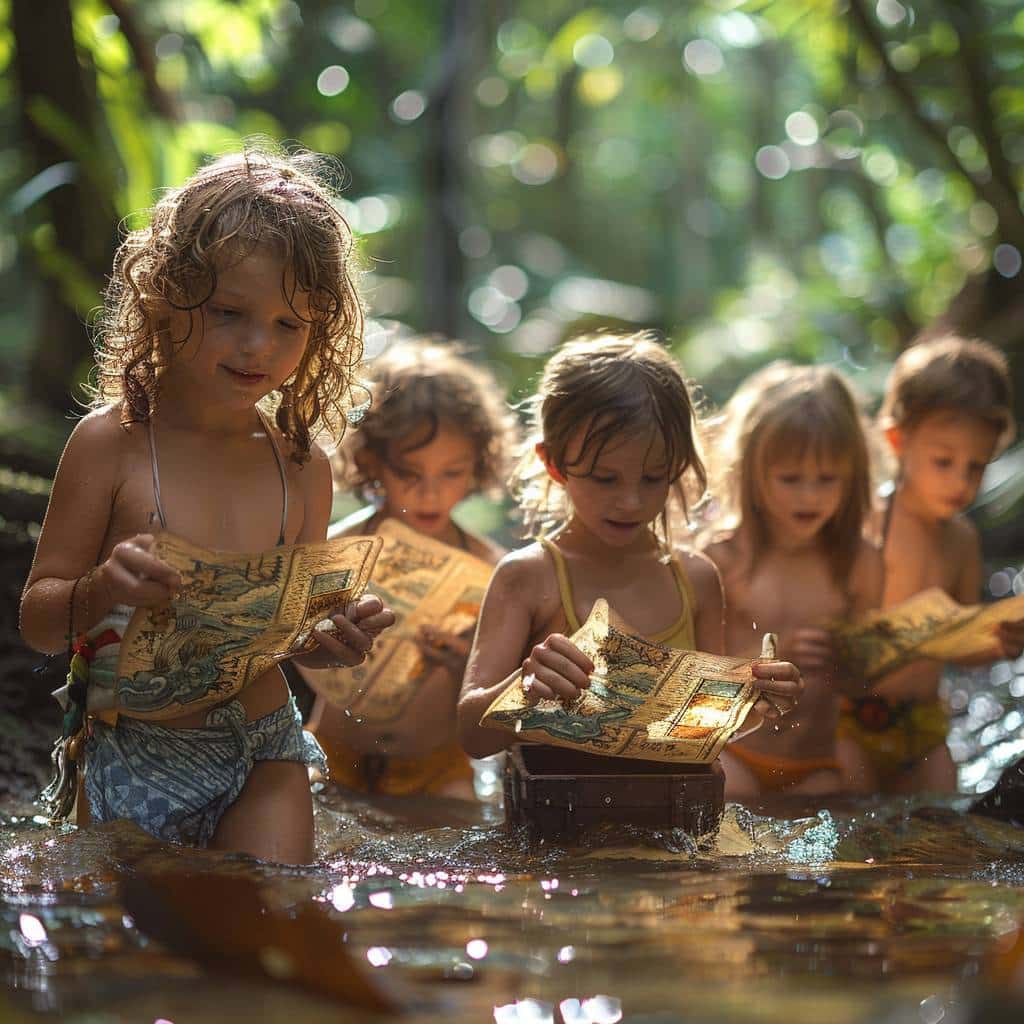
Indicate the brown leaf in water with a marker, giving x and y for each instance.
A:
(225, 923)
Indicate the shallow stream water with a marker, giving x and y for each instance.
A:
(889, 912)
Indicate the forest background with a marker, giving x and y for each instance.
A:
(808, 179)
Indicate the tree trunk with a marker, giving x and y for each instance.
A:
(48, 75)
(444, 270)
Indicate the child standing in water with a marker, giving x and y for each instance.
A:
(615, 448)
(795, 482)
(229, 337)
(438, 430)
(947, 411)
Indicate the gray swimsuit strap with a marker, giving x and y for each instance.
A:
(277, 458)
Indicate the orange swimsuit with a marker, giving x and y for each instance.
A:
(774, 773)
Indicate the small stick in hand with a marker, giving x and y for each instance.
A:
(769, 646)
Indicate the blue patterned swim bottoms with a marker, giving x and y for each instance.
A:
(176, 784)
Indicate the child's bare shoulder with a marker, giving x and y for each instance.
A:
(524, 574)
(724, 551)
(703, 574)
(100, 440)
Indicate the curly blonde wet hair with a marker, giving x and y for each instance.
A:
(611, 387)
(416, 387)
(781, 413)
(216, 219)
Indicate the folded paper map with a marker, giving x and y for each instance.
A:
(424, 582)
(644, 701)
(234, 617)
(928, 625)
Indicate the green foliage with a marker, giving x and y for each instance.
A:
(746, 177)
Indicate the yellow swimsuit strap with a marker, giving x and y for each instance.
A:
(564, 584)
(681, 631)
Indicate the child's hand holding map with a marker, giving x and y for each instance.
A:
(234, 616)
(644, 700)
(931, 625)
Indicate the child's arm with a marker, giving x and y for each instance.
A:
(1008, 641)
(558, 668)
(361, 621)
(709, 594)
(77, 520)
(867, 582)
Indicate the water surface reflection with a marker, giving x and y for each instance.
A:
(885, 912)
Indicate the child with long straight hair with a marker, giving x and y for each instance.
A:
(437, 431)
(228, 342)
(614, 453)
(794, 486)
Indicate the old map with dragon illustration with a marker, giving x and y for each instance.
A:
(424, 582)
(234, 617)
(644, 701)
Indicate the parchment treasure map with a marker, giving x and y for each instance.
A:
(235, 616)
(644, 701)
(928, 625)
(424, 582)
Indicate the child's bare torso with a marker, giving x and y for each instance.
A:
(919, 554)
(221, 493)
(785, 592)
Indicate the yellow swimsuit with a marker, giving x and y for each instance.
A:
(681, 634)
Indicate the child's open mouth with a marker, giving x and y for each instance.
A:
(426, 519)
(246, 376)
(625, 527)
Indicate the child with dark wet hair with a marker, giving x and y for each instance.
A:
(792, 474)
(227, 345)
(614, 453)
(947, 412)
(437, 431)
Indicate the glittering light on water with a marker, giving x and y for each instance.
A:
(602, 1010)
(476, 949)
(567, 954)
(379, 956)
(931, 1010)
(381, 900)
(32, 929)
(343, 897)
(525, 1011)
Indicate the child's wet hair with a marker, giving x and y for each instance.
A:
(612, 387)
(219, 216)
(783, 413)
(418, 386)
(950, 374)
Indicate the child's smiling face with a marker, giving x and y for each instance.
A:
(247, 339)
(942, 460)
(422, 484)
